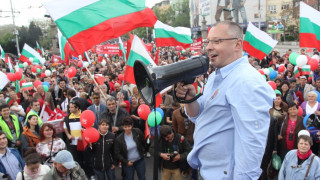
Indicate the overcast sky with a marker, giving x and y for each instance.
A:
(29, 10)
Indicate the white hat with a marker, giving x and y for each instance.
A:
(304, 132)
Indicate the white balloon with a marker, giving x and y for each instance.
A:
(44, 68)
(106, 55)
(266, 71)
(103, 63)
(301, 61)
(31, 59)
(48, 73)
(85, 64)
(25, 64)
(315, 57)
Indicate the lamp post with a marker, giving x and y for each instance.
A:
(15, 31)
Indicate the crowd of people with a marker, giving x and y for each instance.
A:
(30, 148)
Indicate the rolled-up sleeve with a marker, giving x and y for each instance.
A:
(250, 102)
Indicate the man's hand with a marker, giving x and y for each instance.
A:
(176, 158)
(182, 90)
(279, 137)
(112, 167)
(130, 163)
(115, 129)
(165, 156)
(70, 137)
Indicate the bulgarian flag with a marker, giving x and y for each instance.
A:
(257, 43)
(65, 48)
(3, 54)
(122, 50)
(9, 101)
(309, 27)
(39, 49)
(129, 43)
(87, 23)
(27, 86)
(305, 70)
(28, 52)
(138, 51)
(169, 36)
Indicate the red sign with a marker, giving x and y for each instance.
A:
(113, 49)
(196, 45)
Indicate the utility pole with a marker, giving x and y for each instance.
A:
(259, 10)
(15, 31)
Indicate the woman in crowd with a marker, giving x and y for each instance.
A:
(311, 106)
(33, 170)
(49, 144)
(279, 108)
(102, 152)
(30, 135)
(63, 104)
(129, 150)
(284, 91)
(289, 128)
(300, 163)
(134, 103)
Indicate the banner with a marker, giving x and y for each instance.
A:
(195, 46)
(113, 49)
(58, 125)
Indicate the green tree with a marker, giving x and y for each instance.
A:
(8, 43)
(34, 34)
(23, 37)
(181, 11)
(164, 14)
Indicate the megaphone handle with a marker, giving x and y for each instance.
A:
(183, 100)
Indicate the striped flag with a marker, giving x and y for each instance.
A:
(27, 86)
(122, 50)
(138, 51)
(10, 64)
(9, 101)
(87, 23)
(39, 49)
(3, 54)
(305, 70)
(166, 35)
(65, 48)
(28, 52)
(309, 26)
(3, 80)
(257, 43)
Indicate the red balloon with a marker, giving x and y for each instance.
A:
(91, 134)
(261, 71)
(23, 81)
(310, 79)
(43, 75)
(11, 77)
(79, 64)
(34, 69)
(36, 83)
(281, 68)
(300, 112)
(72, 72)
(273, 85)
(144, 111)
(120, 77)
(87, 118)
(313, 64)
(18, 75)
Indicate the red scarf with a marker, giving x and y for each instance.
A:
(304, 156)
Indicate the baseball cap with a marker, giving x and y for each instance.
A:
(65, 158)
(304, 132)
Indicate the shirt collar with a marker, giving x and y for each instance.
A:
(225, 71)
(7, 152)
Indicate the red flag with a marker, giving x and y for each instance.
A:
(208, 31)
(129, 42)
(99, 79)
(146, 130)
(158, 100)
(156, 60)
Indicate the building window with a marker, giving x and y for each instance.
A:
(284, 6)
(273, 9)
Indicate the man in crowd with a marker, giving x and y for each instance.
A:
(232, 116)
(11, 162)
(97, 108)
(10, 126)
(45, 96)
(109, 114)
(72, 96)
(173, 151)
(35, 110)
(65, 168)
(304, 87)
(58, 90)
(117, 87)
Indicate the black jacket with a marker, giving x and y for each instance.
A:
(120, 146)
(102, 152)
(121, 114)
(84, 104)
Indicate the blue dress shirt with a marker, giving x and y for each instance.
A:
(232, 125)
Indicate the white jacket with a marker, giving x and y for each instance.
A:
(43, 171)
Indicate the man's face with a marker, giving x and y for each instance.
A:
(112, 106)
(61, 168)
(222, 53)
(96, 99)
(169, 137)
(36, 106)
(73, 108)
(303, 81)
(293, 111)
(117, 87)
(62, 84)
(103, 127)
(40, 89)
(5, 112)
(3, 141)
(318, 83)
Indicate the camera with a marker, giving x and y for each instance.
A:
(172, 155)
